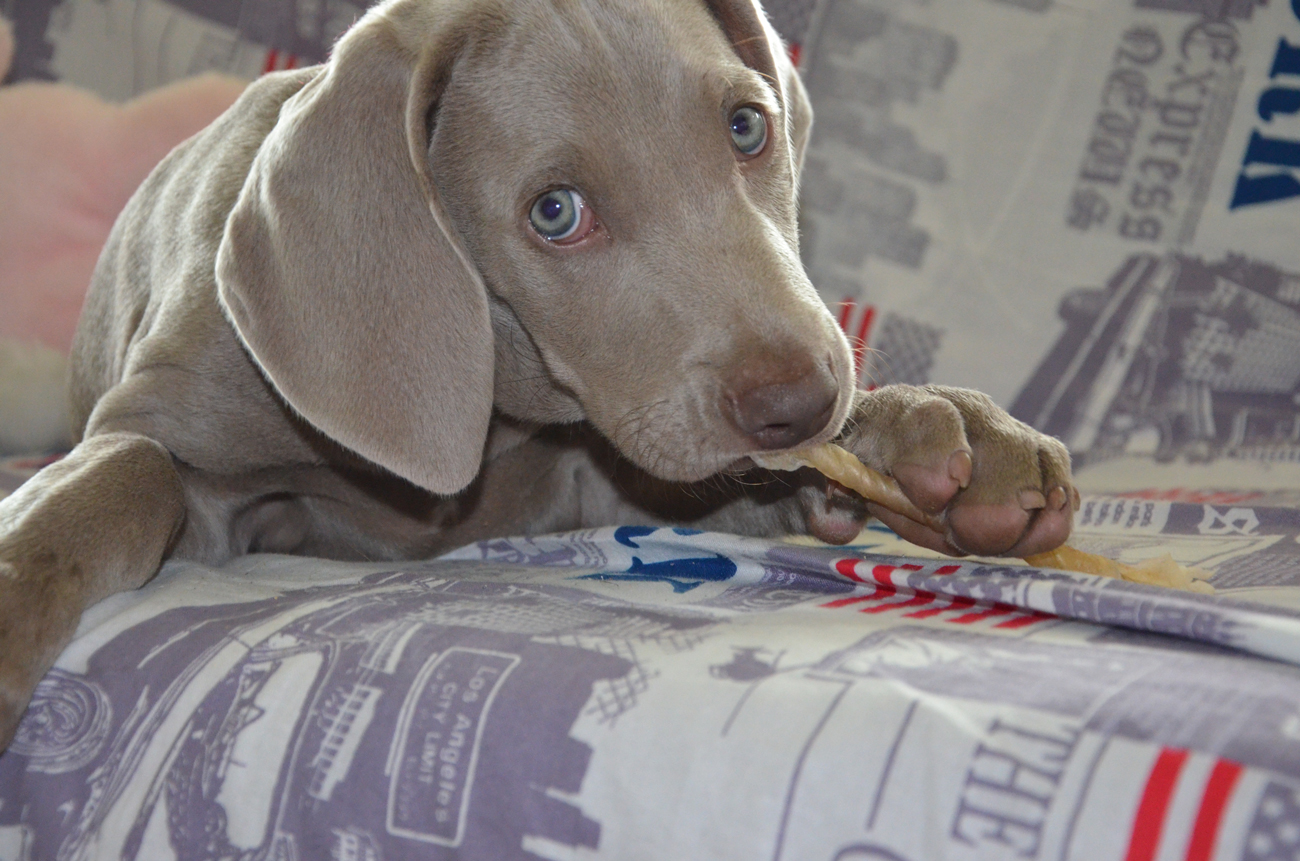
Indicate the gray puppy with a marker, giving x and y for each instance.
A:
(499, 266)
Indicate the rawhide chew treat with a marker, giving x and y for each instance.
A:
(1161, 570)
(841, 465)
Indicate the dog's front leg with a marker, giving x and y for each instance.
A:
(98, 522)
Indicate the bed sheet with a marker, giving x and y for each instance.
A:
(632, 692)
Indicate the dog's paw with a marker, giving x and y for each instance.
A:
(997, 486)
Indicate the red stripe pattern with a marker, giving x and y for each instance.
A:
(1159, 791)
(923, 604)
(1218, 789)
(273, 63)
(1153, 809)
(857, 341)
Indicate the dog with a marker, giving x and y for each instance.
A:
(497, 267)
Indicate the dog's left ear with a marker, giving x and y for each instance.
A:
(339, 267)
(757, 44)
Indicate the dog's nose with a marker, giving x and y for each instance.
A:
(783, 414)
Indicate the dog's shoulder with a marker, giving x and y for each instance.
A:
(154, 352)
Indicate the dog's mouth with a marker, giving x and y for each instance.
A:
(715, 425)
(686, 463)
(740, 464)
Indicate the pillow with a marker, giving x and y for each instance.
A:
(69, 160)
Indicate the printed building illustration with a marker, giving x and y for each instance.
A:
(902, 352)
(1195, 360)
(859, 182)
(366, 709)
(244, 37)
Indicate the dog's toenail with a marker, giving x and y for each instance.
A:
(960, 467)
(1057, 499)
(1032, 499)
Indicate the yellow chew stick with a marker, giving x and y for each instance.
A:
(839, 464)
(1159, 571)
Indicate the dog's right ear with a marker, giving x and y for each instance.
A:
(338, 266)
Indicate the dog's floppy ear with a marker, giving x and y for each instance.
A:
(340, 271)
(757, 44)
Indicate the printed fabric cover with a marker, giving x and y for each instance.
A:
(639, 693)
(1088, 209)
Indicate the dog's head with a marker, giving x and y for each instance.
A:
(562, 209)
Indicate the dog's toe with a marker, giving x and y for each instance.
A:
(933, 485)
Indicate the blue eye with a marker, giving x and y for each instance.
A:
(749, 130)
(557, 214)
